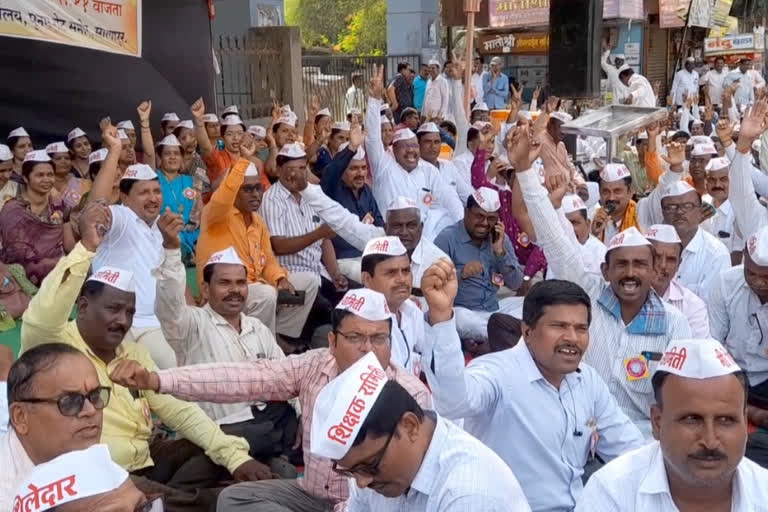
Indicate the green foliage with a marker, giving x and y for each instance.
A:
(366, 33)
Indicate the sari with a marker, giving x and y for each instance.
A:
(33, 241)
(183, 195)
(73, 193)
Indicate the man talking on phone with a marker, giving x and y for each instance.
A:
(485, 260)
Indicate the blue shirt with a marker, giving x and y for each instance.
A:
(361, 205)
(419, 88)
(495, 96)
(543, 433)
(479, 292)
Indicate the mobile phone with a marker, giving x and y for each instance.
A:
(494, 235)
(609, 208)
(286, 298)
(706, 206)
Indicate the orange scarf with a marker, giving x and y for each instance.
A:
(628, 221)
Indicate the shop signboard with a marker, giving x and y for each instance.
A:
(625, 9)
(672, 13)
(733, 44)
(513, 43)
(518, 13)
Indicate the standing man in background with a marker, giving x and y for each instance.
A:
(495, 86)
(420, 86)
(437, 95)
(400, 91)
(686, 83)
(618, 89)
(477, 80)
(355, 97)
(713, 81)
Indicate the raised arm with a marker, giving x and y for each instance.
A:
(198, 111)
(105, 180)
(147, 144)
(374, 147)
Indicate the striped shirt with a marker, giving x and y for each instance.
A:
(300, 376)
(703, 258)
(457, 474)
(289, 217)
(612, 344)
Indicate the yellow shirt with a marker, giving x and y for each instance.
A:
(127, 420)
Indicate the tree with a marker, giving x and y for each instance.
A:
(366, 33)
(321, 21)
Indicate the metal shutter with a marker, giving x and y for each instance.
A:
(655, 59)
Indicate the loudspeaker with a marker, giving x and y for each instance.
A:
(574, 47)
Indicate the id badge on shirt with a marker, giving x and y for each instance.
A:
(636, 368)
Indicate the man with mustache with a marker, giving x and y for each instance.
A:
(630, 322)
(700, 425)
(723, 224)
(704, 256)
(561, 412)
(486, 259)
(669, 251)
(106, 303)
(403, 173)
(617, 211)
(430, 143)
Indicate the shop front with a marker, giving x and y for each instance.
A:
(735, 47)
(524, 54)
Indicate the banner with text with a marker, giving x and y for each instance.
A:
(112, 26)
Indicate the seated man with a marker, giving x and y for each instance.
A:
(723, 224)
(486, 260)
(669, 251)
(430, 143)
(343, 180)
(591, 248)
(386, 268)
(230, 219)
(617, 210)
(338, 137)
(700, 425)
(104, 314)
(401, 458)
(560, 411)
(361, 322)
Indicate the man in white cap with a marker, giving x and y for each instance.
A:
(400, 457)
(129, 129)
(436, 96)
(669, 250)
(486, 259)
(685, 83)
(611, 69)
(480, 112)
(430, 143)
(343, 180)
(496, 85)
(592, 249)
(700, 425)
(704, 256)
(738, 315)
(712, 81)
(105, 309)
(403, 173)
(386, 268)
(629, 319)
(540, 390)
(723, 224)
(298, 237)
(168, 123)
(639, 90)
(700, 158)
(9, 189)
(617, 210)
(361, 323)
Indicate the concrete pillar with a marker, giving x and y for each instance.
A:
(413, 27)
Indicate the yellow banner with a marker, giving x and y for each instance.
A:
(112, 26)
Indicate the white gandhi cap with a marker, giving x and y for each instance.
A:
(228, 256)
(293, 150)
(115, 277)
(365, 303)
(55, 147)
(614, 172)
(487, 199)
(402, 203)
(98, 156)
(630, 237)
(359, 154)
(38, 155)
(757, 247)
(428, 128)
(125, 125)
(676, 189)
(573, 203)
(5, 153)
(718, 164)
(663, 233)
(403, 134)
(141, 172)
(77, 132)
(697, 359)
(18, 132)
(343, 405)
(257, 131)
(170, 117)
(388, 245)
(169, 140)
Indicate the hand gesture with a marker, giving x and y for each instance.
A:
(323, 135)
(706, 212)
(253, 470)
(517, 95)
(536, 93)
(440, 285)
(111, 138)
(95, 222)
(653, 130)
(247, 147)
(552, 102)
(145, 109)
(557, 186)
(754, 122)
(457, 71)
(376, 82)
(104, 123)
(495, 168)
(521, 152)
(356, 137)
(471, 269)
(276, 112)
(133, 375)
(498, 245)
(285, 284)
(540, 126)
(197, 109)
(170, 225)
(314, 107)
(709, 112)
(340, 282)
(724, 130)
(675, 154)
(599, 222)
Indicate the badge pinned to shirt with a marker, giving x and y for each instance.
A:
(636, 368)
(523, 239)
(594, 437)
(190, 193)
(368, 219)
(498, 279)
(428, 198)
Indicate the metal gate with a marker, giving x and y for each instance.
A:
(655, 59)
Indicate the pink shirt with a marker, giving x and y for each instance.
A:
(691, 306)
(301, 376)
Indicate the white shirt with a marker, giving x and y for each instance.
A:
(131, 244)
(348, 226)
(723, 226)
(355, 98)
(745, 94)
(685, 82)
(463, 164)
(436, 99)
(477, 87)
(200, 335)
(703, 258)
(592, 255)
(456, 179)
(508, 405)
(611, 342)
(714, 82)
(4, 418)
(642, 91)
(749, 214)
(618, 89)
(736, 318)
(408, 337)
(16, 466)
(424, 184)
(637, 482)
(458, 474)
(691, 306)
(757, 78)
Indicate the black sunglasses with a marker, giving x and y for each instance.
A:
(70, 404)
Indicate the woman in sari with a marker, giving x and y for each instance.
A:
(181, 193)
(67, 187)
(20, 144)
(31, 226)
(80, 149)
(8, 188)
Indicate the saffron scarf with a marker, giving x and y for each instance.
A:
(628, 221)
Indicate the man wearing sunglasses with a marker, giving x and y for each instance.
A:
(401, 457)
(361, 323)
(55, 404)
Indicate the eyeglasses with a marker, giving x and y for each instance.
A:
(70, 404)
(674, 208)
(357, 338)
(366, 469)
